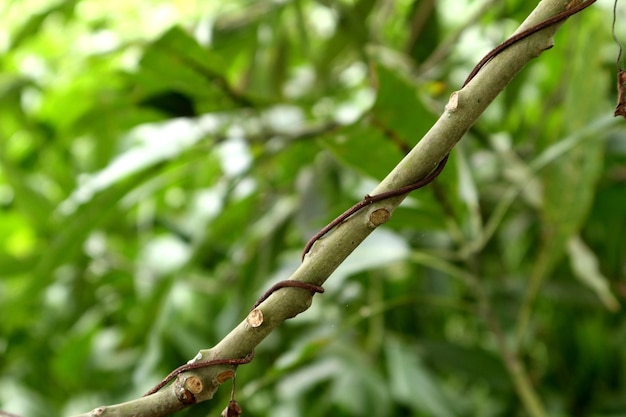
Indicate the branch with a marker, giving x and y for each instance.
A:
(462, 110)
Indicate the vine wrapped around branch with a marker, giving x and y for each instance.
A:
(492, 75)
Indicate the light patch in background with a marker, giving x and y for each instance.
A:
(300, 82)
(204, 205)
(131, 19)
(175, 197)
(181, 296)
(165, 254)
(31, 99)
(33, 67)
(18, 398)
(350, 111)
(95, 245)
(234, 154)
(586, 268)
(354, 74)
(101, 41)
(381, 249)
(6, 194)
(108, 352)
(284, 119)
(322, 20)
(149, 144)
(208, 202)
(203, 31)
(130, 57)
(448, 10)
(5, 40)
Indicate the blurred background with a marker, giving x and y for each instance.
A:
(162, 163)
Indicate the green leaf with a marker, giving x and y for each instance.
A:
(399, 106)
(398, 119)
(357, 388)
(19, 140)
(364, 148)
(177, 63)
(412, 384)
(85, 218)
(473, 362)
(585, 265)
(36, 21)
(570, 181)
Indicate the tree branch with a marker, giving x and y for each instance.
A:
(462, 110)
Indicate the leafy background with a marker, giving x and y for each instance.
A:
(162, 163)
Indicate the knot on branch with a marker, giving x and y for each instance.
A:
(378, 217)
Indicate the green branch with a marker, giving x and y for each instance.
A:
(462, 110)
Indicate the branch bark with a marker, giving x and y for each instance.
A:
(462, 110)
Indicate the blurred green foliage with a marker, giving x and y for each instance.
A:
(162, 163)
